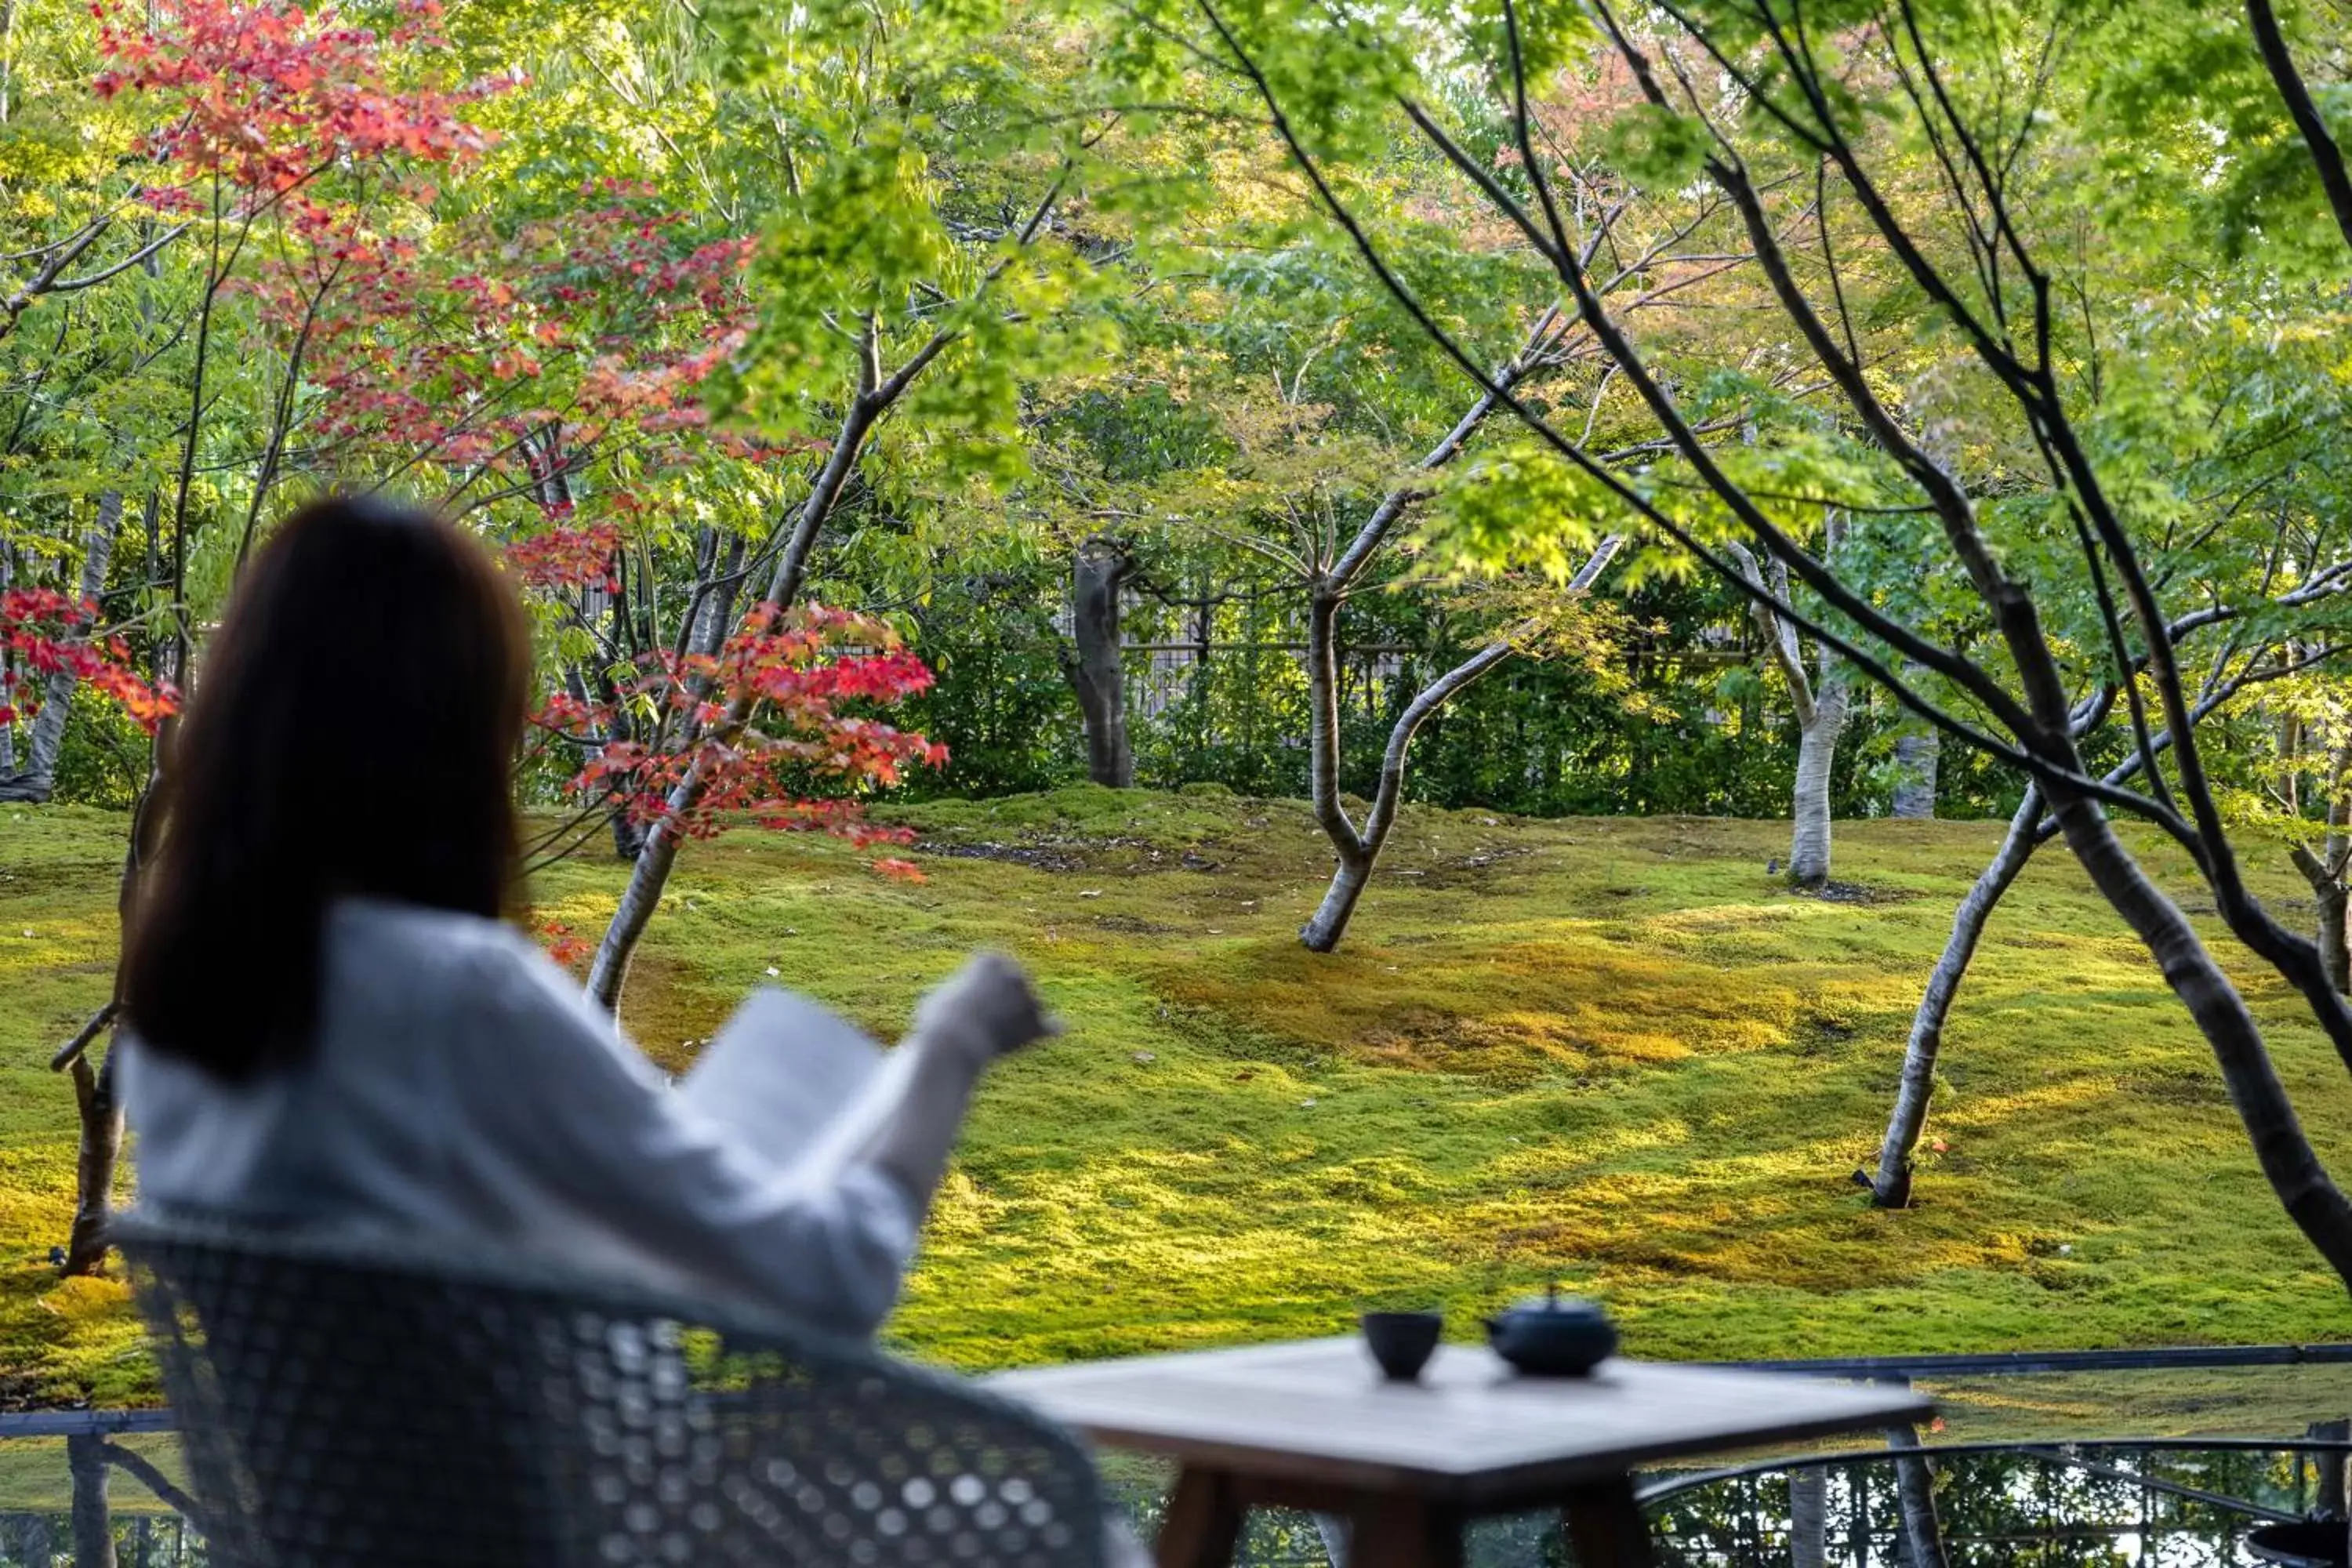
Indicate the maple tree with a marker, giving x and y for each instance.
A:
(261, 102)
(271, 147)
(886, 320)
(544, 360)
(793, 678)
(551, 374)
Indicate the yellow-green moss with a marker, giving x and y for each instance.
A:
(1616, 1052)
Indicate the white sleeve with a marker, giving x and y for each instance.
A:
(587, 1119)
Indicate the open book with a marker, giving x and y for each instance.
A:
(794, 1080)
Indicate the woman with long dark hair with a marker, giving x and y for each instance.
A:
(329, 1023)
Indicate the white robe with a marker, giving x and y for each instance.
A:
(461, 1088)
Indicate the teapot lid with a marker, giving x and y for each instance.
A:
(1552, 1304)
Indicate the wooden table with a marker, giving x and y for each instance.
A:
(1314, 1426)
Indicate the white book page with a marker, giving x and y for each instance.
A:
(782, 1073)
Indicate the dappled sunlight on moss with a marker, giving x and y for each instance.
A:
(1505, 1011)
(83, 1300)
(1778, 1218)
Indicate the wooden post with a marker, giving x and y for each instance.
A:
(1404, 1531)
(1605, 1525)
(1204, 1523)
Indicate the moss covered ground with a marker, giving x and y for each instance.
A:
(1613, 1052)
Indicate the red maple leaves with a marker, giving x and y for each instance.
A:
(602, 324)
(563, 944)
(559, 556)
(268, 95)
(797, 668)
(44, 633)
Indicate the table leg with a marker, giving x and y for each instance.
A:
(1204, 1523)
(1605, 1525)
(1404, 1533)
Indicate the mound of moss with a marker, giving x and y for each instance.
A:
(1616, 1053)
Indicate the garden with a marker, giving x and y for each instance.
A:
(1684, 652)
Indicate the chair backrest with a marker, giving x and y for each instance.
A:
(343, 1404)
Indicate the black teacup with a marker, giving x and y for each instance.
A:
(1403, 1343)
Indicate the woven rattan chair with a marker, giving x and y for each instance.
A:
(346, 1405)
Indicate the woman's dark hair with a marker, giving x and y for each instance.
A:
(353, 732)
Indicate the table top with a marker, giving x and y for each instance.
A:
(1472, 1429)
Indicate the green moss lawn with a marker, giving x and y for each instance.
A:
(1614, 1052)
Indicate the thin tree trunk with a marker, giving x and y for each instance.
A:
(598, 602)
(8, 728)
(629, 836)
(626, 833)
(1323, 930)
(2289, 747)
(649, 874)
(2325, 873)
(715, 616)
(1097, 573)
(1918, 752)
(1816, 739)
(1914, 1491)
(2329, 892)
(1326, 590)
(97, 1151)
(1820, 697)
(1891, 1187)
(93, 1521)
(1808, 1516)
(2281, 1147)
(8, 57)
(37, 780)
(1357, 850)
(2325, 870)
(1322, 934)
(712, 623)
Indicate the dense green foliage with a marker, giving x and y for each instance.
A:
(1702, 733)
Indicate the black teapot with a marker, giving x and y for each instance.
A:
(1552, 1335)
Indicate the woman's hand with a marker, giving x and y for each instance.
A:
(985, 1010)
